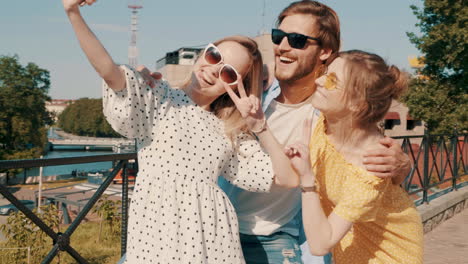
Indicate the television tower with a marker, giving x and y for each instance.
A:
(134, 5)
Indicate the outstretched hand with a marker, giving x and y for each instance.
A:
(69, 5)
(149, 77)
(298, 153)
(248, 106)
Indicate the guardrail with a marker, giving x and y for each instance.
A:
(90, 141)
(439, 161)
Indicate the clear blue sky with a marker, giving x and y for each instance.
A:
(39, 32)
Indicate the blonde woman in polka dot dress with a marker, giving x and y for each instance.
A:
(186, 138)
(357, 216)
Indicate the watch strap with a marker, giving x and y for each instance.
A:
(309, 188)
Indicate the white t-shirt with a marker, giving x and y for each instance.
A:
(268, 213)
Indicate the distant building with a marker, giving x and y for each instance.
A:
(398, 122)
(56, 106)
(177, 65)
(417, 64)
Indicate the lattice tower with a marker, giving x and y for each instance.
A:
(132, 48)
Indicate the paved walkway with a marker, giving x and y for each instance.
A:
(448, 242)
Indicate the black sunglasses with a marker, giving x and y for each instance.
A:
(295, 40)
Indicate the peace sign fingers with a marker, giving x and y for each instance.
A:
(243, 104)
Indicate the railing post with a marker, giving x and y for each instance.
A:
(65, 214)
(455, 159)
(426, 145)
(123, 241)
(25, 175)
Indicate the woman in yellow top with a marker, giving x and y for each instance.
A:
(357, 216)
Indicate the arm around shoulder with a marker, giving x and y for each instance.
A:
(388, 160)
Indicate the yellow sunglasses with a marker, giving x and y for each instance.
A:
(331, 81)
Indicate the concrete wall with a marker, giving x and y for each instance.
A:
(443, 208)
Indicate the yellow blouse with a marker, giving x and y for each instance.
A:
(387, 227)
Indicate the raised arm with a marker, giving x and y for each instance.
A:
(92, 47)
(322, 232)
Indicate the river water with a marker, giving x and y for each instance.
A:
(67, 169)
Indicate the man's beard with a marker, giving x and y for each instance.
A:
(300, 72)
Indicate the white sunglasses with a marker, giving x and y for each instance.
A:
(227, 73)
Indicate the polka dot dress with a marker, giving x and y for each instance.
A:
(178, 214)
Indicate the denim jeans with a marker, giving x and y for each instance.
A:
(308, 258)
(278, 248)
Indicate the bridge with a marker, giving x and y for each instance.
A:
(91, 143)
(67, 141)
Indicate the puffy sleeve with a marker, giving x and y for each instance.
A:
(133, 111)
(362, 198)
(249, 167)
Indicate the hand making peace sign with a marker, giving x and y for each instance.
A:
(248, 106)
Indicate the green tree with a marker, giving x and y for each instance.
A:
(85, 118)
(440, 96)
(23, 116)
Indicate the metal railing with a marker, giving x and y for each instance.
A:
(439, 163)
(61, 241)
(437, 160)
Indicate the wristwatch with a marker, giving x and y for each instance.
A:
(305, 189)
(262, 128)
